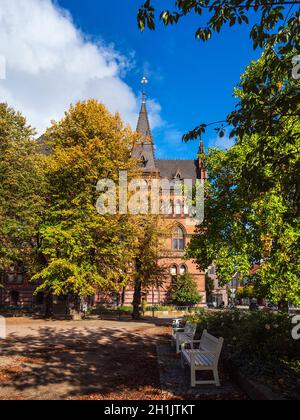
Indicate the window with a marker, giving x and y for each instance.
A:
(14, 298)
(178, 176)
(178, 239)
(143, 162)
(178, 207)
(186, 209)
(182, 270)
(39, 299)
(173, 270)
(15, 274)
(166, 208)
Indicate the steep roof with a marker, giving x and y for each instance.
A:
(144, 151)
(168, 168)
(186, 168)
(143, 125)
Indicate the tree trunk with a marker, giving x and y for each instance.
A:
(74, 306)
(49, 306)
(123, 296)
(137, 298)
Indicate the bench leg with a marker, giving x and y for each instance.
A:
(177, 346)
(182, 361)
(216, 377)
(193, 376)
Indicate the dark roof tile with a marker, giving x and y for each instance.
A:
(187, 168)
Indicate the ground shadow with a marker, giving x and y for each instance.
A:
(73, 362)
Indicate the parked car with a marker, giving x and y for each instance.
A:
(272, 307)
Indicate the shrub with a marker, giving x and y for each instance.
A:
(258, 343)
(184, 291)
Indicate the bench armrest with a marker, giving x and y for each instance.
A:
(190, 343)
(187, 344)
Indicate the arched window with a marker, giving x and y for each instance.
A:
(173, 270)
(170, 208)
(178, 207)
(186, 209)
(174, 273)
(15, 274)
(178, 239)
(166, 208)
(182, 270)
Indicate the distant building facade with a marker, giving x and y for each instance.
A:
(177, 215)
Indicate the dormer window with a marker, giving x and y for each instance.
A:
(144, 162)
(178, 176)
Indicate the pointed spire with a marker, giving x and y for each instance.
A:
(201, 160)
(144, 151)
(201, 147)
(143, 126)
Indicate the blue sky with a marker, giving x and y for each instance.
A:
(69, 50)
(192, 81)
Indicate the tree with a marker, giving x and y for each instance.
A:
(277, 32)
(252, 207)
(219, 13)
(85, 251)
(150, 233)
(245, 292)
(22, 190)
(184, 291)
(252, 214)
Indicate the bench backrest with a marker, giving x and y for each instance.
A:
(210, 343)
(190, 329)
(177, 323)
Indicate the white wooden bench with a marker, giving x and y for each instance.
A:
(183, 335)
(205, 357)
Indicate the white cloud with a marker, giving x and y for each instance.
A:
(51, 64)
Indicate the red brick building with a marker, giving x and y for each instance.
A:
(18, 291)
(183, 230)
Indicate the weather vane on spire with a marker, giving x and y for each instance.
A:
(144, 83)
